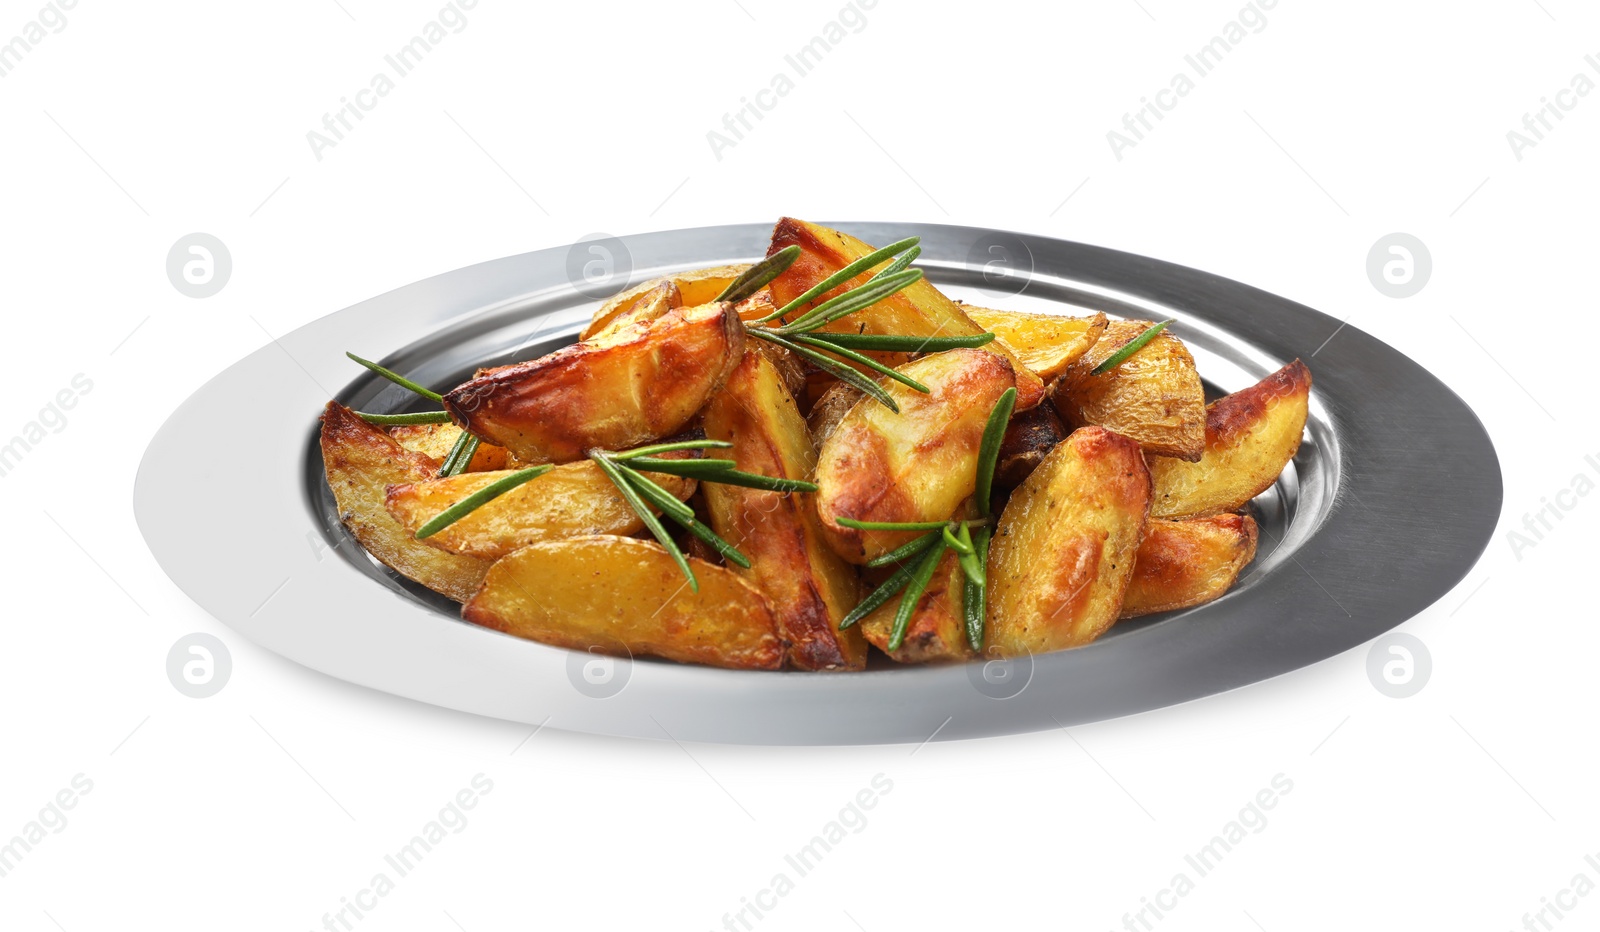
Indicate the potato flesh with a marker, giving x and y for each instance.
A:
(920, 310)
(1063, 553)
(437, 440)
(1154, 396)
(361, 462)
(917, 465)
(1046, 343)
(809, 587)
(571, 500)
(652, 304)
(623, 596)
(1251, 435)
(633, 386)
(1182, 564)
(694, 287)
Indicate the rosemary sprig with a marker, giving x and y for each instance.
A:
(994, 433)
(906, 551)
(397, 378)
(630, 494)
(974, 598)
(478, 499)
(974, 595)
(460, 456)
(843, 275)
(851, 301)
(1133, 346)
(831, 366)
(895, 343)
(806, 339)
(913, 594)
(902, 525)
(760, 275)
(418, 417)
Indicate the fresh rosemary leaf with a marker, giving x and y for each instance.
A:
(989, 449)
(654, 448)
(1133, 346)
(758, 276)
(752, 480)
(891, 525)
(397, 378)
(478, 499)
(831, 366)
(460, 456)
(913, 593)
(889, 588)
(679, 467)
(895, 343)
(975, 598)
(902, 263)
(728, 551)
(669, 504)
(906, 551)
(843, 275)
(968, 555)
(828, 346)
(954, 542)
(419, 417)
(851, 301)
(631, 496)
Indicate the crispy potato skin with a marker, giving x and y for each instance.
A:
(361, 461)
(917, 465)
(937, 631)
(436, 440)
(1029, 438)
(635, 385)
(571, 500)
(694, 288)
(1045, 343)
(625, 596)
(1154, 396)
(809, 587)
(1186, 563)
(919, 310)
(653, 303)
(1065, 548)
(1250, 436)
(830, 409)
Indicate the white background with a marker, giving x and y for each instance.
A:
(1463, 807)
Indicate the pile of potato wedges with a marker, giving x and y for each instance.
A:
(1119, 493)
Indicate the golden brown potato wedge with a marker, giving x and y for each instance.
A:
(1029, 438)
(1154, 396)
(361, 461)
(917, 465)
(809, 587)
(1045, 343)
(920, 310)
(1064, 550)
(937, 631)
(624, 596)
(1187, 563)
(653, 303)
(1250, 436)
(436, 440)
(631, 386)
(571, 500)
(694, 287)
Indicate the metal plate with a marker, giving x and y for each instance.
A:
(1388, 505)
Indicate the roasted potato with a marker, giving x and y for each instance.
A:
(1251, 435)
(1187, 563)
(436, 440)
(1154, 396)
(571, 500)
(1045, 343)
(1029, 438)
(620, 595)
(920, 310)
(694, 288)
(809, 587)
(361, 461)
(916, 465)
(937, 630)
(653, 303)
(628, 387)
(830, 409)
(1065, 548)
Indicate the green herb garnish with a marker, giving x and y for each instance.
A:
(478, 499)
(460, 456)
(395, 420)
(894, 343)
(1133, 346)
(397, 378)
(760, 275)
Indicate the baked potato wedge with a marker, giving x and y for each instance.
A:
(1186, 563)
(436, 440)
(1029, 438)
(361, 462)
(1064, 551)
(653, 303)
(917, 465)
(571, 500)
(920, 310)
(624, 596)
(937, 632)
(694, 288)
(809, 587)
(1045, 343)
(1154, 396)
(616, 391)
(1251, 435)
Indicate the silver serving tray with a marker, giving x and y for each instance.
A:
(1390, 502)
